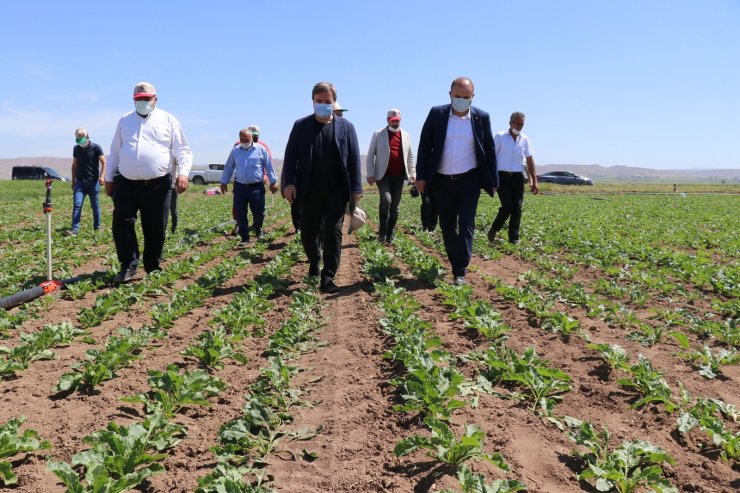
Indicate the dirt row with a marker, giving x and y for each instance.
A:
(347, 382)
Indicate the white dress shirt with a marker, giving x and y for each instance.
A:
(511, 154)
(458, 154)
(144, 148)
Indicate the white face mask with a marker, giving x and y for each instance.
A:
(394, 129)
(461, 105)
(246, 145)
(144, 107)
(515, 131)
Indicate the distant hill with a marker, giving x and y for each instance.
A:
(596, 172)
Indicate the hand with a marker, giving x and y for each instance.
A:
(109, 187)
(420, 185)
(289, 193)
(181, 183)
(371, 180)
(412, 180)
(356, 197)
(534, 187)
(224, 188)
(274, 187)
(101, 180)
(73, 184)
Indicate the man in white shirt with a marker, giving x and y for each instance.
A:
(455, 161)
(513, 149)
(139, 177)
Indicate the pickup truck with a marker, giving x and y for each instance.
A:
(210, 173)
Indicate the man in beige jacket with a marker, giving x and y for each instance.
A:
(390, 161)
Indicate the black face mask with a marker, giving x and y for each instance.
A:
(255, 138)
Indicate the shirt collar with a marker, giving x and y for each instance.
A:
(464, 117)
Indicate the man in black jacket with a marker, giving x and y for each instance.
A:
(322, 171)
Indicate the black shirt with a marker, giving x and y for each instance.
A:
(326, 170)
(88, 161)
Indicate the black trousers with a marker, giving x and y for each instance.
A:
(151, 199)
(295, 214)
(323, 208)
(173, 209)
(511, 194)
(428, 212)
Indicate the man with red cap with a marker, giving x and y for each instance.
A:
(390, 162)
(146, 143)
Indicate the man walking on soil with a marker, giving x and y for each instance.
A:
(88, 173)
(322, 171)
(249, 163)
(146, 143)
(512, 150)
(456, 159)
(390, 162)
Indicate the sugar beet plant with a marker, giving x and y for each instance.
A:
(12, 443)
(530, 378)
(477, 315)
(447, 449)
(102, 364)
(631, 466)
(38, 346)
(430, 385)
(706, 415)
(120, 457)
(246, 443)
(174, 389)
(427, 268)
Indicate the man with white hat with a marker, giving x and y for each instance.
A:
(390, 161)
(338, 110)
(146, 143)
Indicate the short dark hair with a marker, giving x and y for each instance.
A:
(515, 116)
(461, 80)
(324, 87)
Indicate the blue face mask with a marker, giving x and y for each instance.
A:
(143, 107)
(323, 110)
(461, 104)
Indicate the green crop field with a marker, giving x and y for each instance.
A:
(599, 353)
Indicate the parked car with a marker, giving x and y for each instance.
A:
(210, 173)
(564, 178)
(35, 173)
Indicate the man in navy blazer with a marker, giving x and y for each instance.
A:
(322, 171)
(456, 159)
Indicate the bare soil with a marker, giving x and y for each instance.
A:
(347, 381)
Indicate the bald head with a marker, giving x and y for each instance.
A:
(245, 136)
(462, 82)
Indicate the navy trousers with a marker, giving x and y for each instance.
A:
(456, 197)
(250, 197)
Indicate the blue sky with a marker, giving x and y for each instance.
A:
(638, 83)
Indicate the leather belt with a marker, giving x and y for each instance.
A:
(456, 176)
(509, 173)
(146, 183)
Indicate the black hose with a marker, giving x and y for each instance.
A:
(30, 294)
